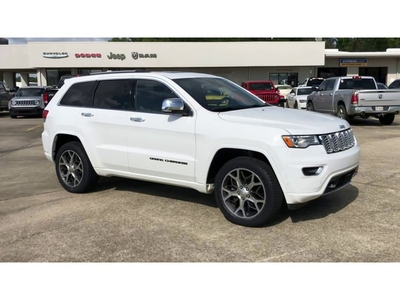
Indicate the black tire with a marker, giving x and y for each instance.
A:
(73, 168)
(341, 112)
(386, 119)
(241, 181)
(12, 116)
(310, 106)
(287, 104)
(295, 105)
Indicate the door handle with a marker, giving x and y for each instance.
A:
(137, 119)
(87, 114)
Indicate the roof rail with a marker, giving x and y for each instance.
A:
(121, 71)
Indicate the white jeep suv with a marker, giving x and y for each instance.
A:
(166, 127)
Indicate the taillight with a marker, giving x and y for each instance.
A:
(44, 114)
(46, 98)
(354, 98)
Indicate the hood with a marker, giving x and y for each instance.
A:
(27, 98)
(292, 120)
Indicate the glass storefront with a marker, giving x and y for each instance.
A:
(88, 71)
(284, 78)
(54, 75)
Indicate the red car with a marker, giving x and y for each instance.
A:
(265, 90)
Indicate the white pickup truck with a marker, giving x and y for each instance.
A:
(351, 96)
(196, 131)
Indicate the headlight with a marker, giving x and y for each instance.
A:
(300, 141)
(13, 102)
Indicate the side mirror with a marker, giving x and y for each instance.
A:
(173, 105)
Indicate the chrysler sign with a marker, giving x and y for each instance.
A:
(55, 55)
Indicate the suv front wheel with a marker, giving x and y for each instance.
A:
(247, 192)
(73, 168)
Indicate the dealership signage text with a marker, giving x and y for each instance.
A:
(116, 56)
(55, 54)
(136, 55)
(88, 55)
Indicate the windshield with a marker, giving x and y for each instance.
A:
(29, 92)
(315, 81)
(261, 86)
(219, 94)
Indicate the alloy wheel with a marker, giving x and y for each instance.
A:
(243, 193)
(70, 168)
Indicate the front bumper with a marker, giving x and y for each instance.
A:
(26, 111)
(338, 170)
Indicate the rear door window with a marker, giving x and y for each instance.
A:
(113, 94)
(79, 95)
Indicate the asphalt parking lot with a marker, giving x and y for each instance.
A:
(132, 221)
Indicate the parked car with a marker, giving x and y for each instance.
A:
(6, 95)
(395, 84)
(30, 101)
(159, 127)
(312, 81)
(284, 89)
(297, 98)
(381, 86)
(265, 90)
(351, 96)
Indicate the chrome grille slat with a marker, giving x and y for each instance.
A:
(24, 102)
(337, 141)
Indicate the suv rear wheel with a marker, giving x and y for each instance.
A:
(247, 192)
(73, 168)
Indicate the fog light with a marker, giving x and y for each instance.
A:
(312, 171)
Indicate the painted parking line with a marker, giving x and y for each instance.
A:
(34, 127)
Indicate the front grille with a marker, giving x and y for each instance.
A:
(269, 98)
(338, 141)
(24, 103)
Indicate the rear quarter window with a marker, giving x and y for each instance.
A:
(79, 94)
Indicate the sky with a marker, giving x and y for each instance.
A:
(213, 18)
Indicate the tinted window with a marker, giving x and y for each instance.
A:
(29, 92)
(150, 95)
(113, 94)
(395, 84)
(330, 84)
(359, 84)
(323, 86)
(79, 94)
(315, 81)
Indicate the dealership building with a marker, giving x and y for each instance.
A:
(281, 62)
